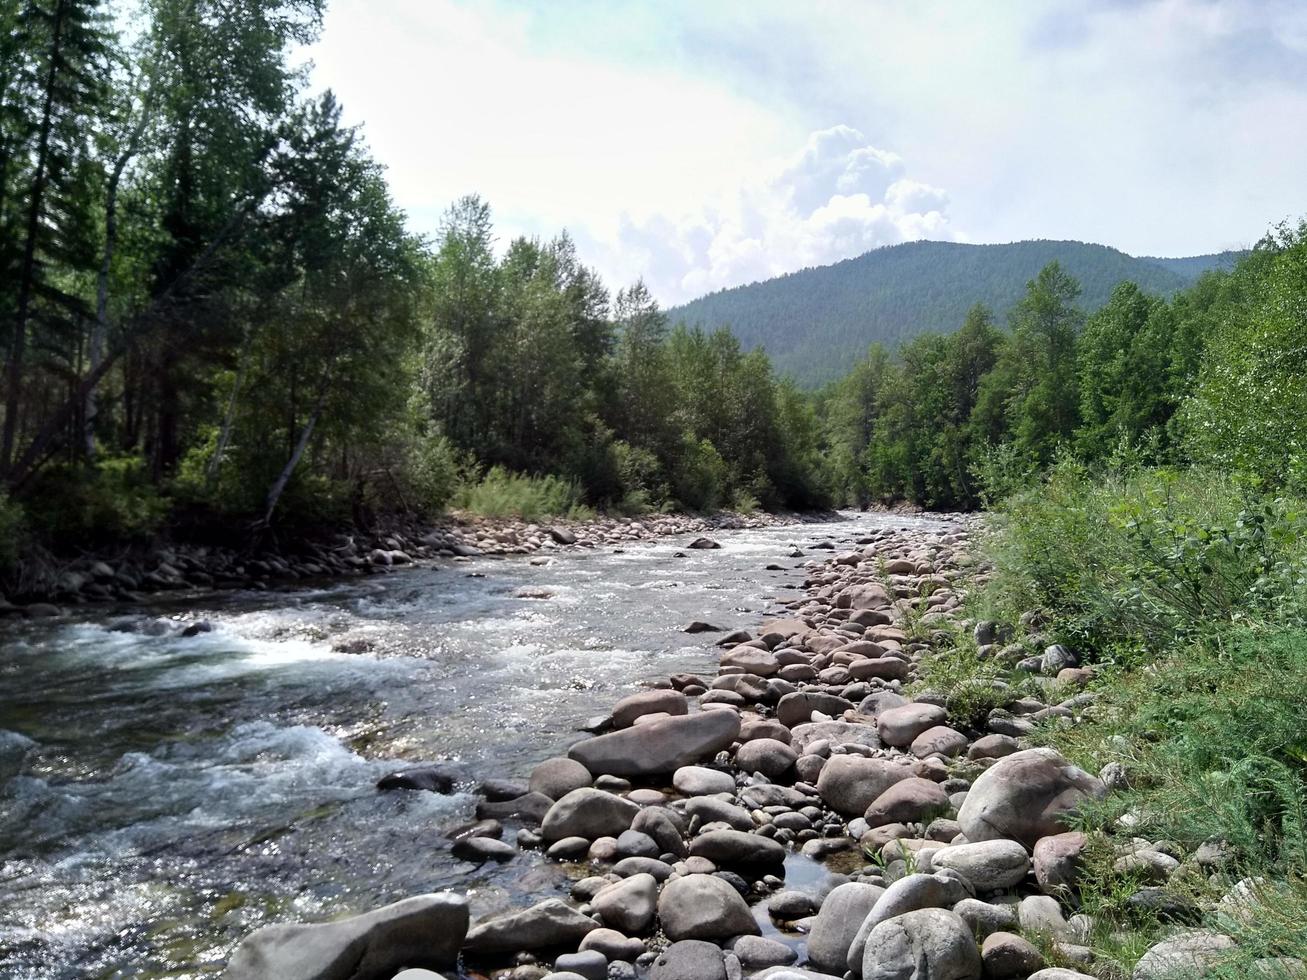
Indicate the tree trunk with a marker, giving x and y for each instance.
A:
(279, 485)
(100, 331)
(228, 418)
(27, 275)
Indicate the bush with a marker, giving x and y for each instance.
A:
(434, 470)
(73, 506)
(699, 480)
(1126, 562)
(13, 532)
(503, 494)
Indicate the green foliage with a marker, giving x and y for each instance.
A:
(71, 506)
(1125, 562)
(503, 494)
(1249, 410)
(815, 322)
(13, 532)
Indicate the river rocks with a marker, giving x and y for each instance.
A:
(851, 783)
(432, 779)
(427, 930)
(926, 944)
(550, 923)
(934, 891)
(758, 953)
(661, 824)
(797, 708)
(908, 801)
(690, 959)
(1057, 860)
(993, 747)
(660, 746)
(1185, 955)
(989, 866)
(557, 777)
(1009, 957)
(627, 710)
(613, 945)
(768, 756)
(702, 906)
(588, 813)
(530, 808)
(751, 660)
(704, 544)
(899, 726)
(837, 924)
(1024, 797)
(629, 904)
(984, 918)
(479, 849)
(699, 781)
(940, 740)
(738, 849)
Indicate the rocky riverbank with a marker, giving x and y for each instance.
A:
(43, 588)
(944, 839)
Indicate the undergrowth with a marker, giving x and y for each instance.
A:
(1187, 594)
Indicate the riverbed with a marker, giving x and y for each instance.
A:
(162, 795)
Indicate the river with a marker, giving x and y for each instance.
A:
(161, 796)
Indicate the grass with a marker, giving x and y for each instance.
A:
(503, 494)
(1188, 591)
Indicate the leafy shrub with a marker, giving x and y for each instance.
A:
(1126, 562)
(699, 479)
(76, 506)
(434, 470)
(503, 494)
(13, 531)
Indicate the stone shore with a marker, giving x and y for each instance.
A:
(948, 841)
(137, 575)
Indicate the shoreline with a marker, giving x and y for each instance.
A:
(138, 574)
(691, 794)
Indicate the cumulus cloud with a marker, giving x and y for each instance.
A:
(837, 197)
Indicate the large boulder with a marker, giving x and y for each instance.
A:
(1189, 954)
(927, 944)
(589, 813)
(555, 778)
(627, 710)
(911, 892)
(550, 923)
(628, 904)
(701, 906)
(660, 746)
(989, 866)
(899, 726)
(699, 781)
(738, 849)
(1025, 796)
(773, 758)
(850, 783)
(690, 959)
(797, 707)
(911, 800)
(1057, 860)
(426, 930)
(837, 924)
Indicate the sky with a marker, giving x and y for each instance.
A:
(702, 144)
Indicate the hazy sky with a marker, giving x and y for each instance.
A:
(706, 143)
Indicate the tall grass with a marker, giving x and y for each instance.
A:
(501, 493)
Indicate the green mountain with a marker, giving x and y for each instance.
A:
(814, 322)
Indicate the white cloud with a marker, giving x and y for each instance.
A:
(665, 136)
(836, 198)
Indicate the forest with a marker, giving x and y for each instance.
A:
(215, 318)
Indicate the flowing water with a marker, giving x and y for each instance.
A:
(161, 796)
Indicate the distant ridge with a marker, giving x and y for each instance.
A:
(816, 321)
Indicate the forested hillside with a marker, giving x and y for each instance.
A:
(814, 322)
